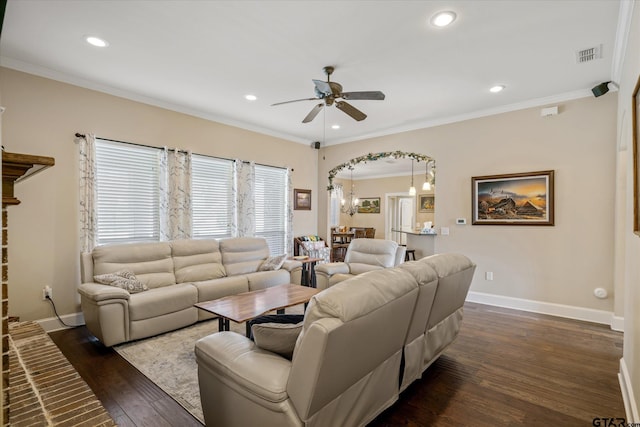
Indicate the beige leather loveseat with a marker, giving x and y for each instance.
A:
(178, 274)
(363, 341)
(362, 255)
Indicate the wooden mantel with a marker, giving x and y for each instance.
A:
(16, 167)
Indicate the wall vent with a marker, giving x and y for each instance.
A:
(589, 54)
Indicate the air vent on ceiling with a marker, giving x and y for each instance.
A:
(589, 54)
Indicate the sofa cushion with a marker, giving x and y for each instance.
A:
(217, 288)
(359, 268)
(360, 295)
(455, 272)
(197, 260)
(278, 338)
(272, 263)
(161, 301)
(353, 331)
(266, 279)
(377, 252)
(242, 255)
(122, 279)
(150, 262)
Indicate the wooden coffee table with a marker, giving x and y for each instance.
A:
(249, 305)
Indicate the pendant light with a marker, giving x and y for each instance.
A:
(412, 189)
(427, 181)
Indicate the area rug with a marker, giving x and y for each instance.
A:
(170, 362)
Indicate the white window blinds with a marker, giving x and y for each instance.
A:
(127, 192)
(211, 197)
(270, 206)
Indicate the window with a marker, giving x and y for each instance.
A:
(211, 197)
(128, 201)
(271, 190)
(127, 185)
(335, 202)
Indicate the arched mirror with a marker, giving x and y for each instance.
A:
(373, 192)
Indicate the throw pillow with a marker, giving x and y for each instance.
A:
(122, 279)
(278, 338)
(272, 263)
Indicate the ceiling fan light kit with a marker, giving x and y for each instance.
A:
(330, 92)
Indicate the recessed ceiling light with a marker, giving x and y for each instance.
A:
(442, 19)
(497, 88)
(95, 41)
(250, 97)
(335, 126)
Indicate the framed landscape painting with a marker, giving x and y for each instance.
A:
(369, 205)
(302, 199)
(513, 199)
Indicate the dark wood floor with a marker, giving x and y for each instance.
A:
(506, 368)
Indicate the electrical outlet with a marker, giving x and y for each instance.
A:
(47, 292)
(488, 275)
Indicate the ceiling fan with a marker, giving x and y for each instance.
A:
(330, 92)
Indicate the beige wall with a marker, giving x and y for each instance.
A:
(560, 264)
(42, 117)
(627, 247)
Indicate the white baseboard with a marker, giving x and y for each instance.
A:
(560, 310)
(630, 407)
(617, 323)
(53, 324)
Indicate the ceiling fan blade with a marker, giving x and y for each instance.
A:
(295, 100)
(323, 87)
(375, 95)
(313, 113)
(351, 110)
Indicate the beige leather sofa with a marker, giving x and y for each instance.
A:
(178, 274)
(362, 342)
(362, 255)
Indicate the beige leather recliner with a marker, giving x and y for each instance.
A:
(347, 364)
(362, 255)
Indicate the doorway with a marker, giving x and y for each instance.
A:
(400, 216)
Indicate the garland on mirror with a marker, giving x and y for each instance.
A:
(371, 157)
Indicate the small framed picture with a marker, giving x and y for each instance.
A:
(369, 205)
(301, 199)
(426, 202)
(513, 199)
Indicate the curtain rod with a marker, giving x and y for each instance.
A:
(83, 136)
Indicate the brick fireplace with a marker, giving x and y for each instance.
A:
(15, 168)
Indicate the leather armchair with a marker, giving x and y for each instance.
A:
(362, 255)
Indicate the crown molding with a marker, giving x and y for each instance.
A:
(416, 125)
(87, 84)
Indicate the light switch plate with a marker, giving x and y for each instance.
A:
(444, 231)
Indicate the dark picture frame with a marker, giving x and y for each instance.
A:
(369, 205)
(513, 199)
(426, 202)
(301, 199)
(635, 119)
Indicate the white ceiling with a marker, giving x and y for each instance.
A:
(202, 57)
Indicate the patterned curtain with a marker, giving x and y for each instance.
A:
(288, 234)
(244, 224)
(175, 194)
(88, 195)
